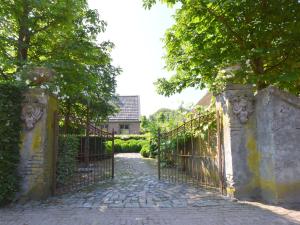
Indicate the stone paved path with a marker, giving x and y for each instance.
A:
(135, 196)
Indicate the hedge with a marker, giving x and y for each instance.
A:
(96, 145)
(127, 145)
(132, 137)
(11, 96)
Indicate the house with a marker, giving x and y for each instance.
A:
(127, 120)
(205, 101)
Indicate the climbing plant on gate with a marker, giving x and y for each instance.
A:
(202, 125)
(67, 158)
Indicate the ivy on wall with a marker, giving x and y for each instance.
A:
(10, 127)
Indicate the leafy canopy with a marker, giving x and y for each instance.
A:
(61, 35)
(215, 42)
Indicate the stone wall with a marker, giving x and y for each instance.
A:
(278, 144)
(37, 145)
(261, 144)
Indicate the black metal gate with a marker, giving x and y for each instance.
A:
(192, 153)
(84, 156)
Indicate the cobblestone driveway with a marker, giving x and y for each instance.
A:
(136, 197)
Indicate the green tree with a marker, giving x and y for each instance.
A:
(163, 119)
(215, 42)
(61, 35)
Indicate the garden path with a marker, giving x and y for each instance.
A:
(135, 196)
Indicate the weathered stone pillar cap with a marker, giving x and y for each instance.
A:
(41, 91)
(239, 87)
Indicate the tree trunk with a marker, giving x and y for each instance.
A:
(24, 35)
(258, 68)
(261, 85)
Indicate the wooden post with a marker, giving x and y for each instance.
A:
(113, 154)
(178, 159)
(220, 153)
(184, 151)
(158, 158)
(193, 154)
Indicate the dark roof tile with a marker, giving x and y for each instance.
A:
(129, 109)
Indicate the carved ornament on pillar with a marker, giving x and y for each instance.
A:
(242, 107)
(32, 111)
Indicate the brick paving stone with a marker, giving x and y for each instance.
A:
(135, 196)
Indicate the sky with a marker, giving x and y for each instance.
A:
(137, 34)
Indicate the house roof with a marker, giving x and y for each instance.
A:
(205, 101)
(129, 109)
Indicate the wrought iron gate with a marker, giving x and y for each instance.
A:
(84, 156)
(192, 153)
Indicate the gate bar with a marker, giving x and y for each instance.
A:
(158, 159)
(113, 154)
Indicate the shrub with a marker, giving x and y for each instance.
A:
(153, 148)
(67, 156)
(10, 126)
(108, 146)
(145, 151)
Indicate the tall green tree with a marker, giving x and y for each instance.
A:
(61, 35)
(214, 42)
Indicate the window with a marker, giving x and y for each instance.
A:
(124, 126)
(124, 129)
(104, 126)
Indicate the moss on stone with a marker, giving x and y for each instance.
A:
(253, 161)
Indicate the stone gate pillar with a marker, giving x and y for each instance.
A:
(37, 145)
(239, 146)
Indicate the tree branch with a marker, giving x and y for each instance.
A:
(277, 64)
(44, 27)
(5, 77)
(223, 20)
(10, 57)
